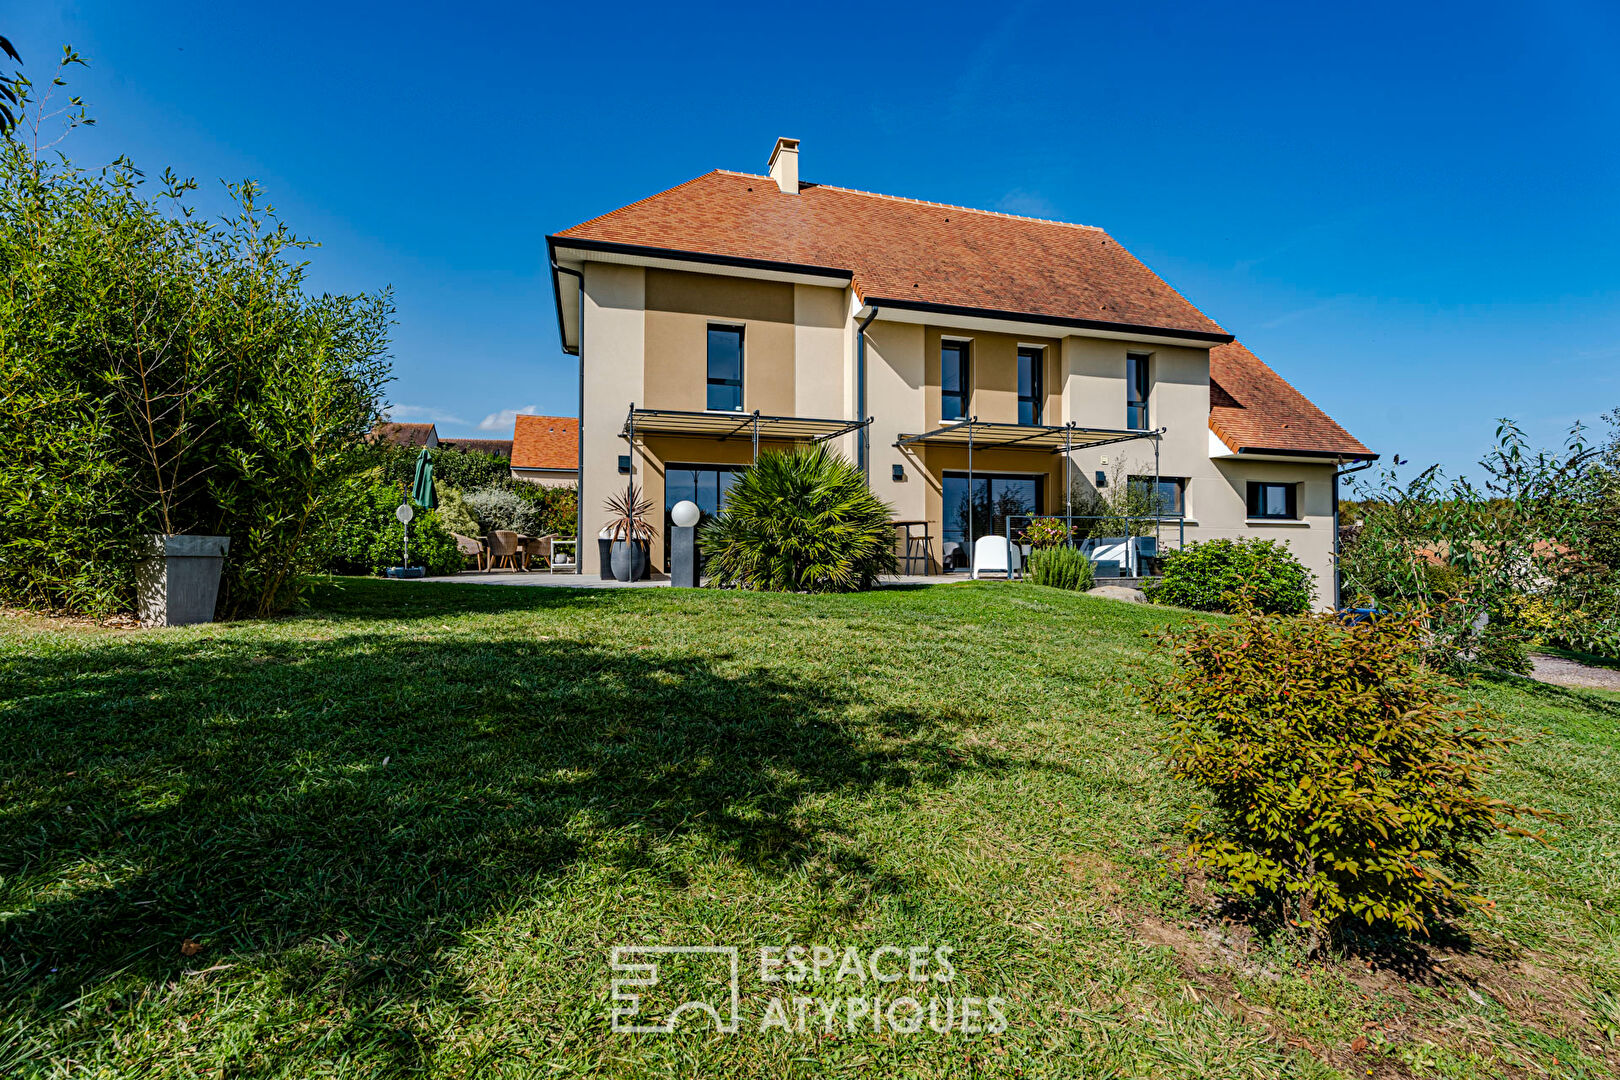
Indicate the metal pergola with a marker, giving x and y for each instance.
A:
(722, 426)
(988, 435)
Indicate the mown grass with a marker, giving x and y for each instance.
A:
(406, 828)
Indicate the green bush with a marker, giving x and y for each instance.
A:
(552, 508)
(160, 373)
(366, 537)
(453, 511)
(800, 520)
(463, 470)
(1234, 575)
(1345, 778)
(1060, 568)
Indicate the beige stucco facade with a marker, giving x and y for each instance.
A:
(645, 341)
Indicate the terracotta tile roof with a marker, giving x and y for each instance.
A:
(498, 447)
(403, 434)
(1251, 407)
(906, 251)
(545, 442)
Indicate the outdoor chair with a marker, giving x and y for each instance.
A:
(503, 550)
(540, 547)
(472, 548)
(993, 554)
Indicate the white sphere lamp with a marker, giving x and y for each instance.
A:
(685, 513)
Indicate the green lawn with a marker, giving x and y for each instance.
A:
(407, 828)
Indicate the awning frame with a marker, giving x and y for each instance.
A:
(1020, 436)
(721, 426)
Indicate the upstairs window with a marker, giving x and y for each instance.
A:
(1136, 391)
(725, 368)
(955, 380)
(1030, 362)
(1279, 502)
(1166, 497)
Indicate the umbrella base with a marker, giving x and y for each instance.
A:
(405, 571)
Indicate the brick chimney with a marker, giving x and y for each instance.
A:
(785, 165)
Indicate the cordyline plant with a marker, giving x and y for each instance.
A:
(1459, 551)
(164, 374)
(1346, 779)
(800, 520)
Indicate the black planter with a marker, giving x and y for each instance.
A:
(604, 551)
(629, 560)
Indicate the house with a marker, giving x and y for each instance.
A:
(405, 434)
(975, 364)
(545, 449)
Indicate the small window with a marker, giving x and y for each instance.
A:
(1276, 501)
(955, 380)
(1030, 362)
(1136, 391)
(1167, 499)
(725, 368)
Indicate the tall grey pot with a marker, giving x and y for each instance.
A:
(178, 581)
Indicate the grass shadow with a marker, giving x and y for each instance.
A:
(336, 811)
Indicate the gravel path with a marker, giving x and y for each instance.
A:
(1556, 669)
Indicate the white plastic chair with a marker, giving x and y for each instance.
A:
(994, 553)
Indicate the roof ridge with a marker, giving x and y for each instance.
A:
(931, 202)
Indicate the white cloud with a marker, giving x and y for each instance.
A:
(421, 414)
(503, 420)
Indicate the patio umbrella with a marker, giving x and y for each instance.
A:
(422, 486)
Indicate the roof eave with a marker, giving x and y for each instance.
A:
(1202, 337)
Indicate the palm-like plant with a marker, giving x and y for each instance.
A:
(800, 520)
(627, 515)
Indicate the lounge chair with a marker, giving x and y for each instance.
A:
(995, 554)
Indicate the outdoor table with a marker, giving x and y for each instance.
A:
(918, 549)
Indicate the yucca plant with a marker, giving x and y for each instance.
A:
(627, 515)
(800, 520)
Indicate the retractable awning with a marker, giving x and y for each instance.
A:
(985, 435)
(721, 426)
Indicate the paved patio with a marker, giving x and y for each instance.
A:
(544, 579)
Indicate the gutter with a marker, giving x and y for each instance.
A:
(1338, 576)
(579, 427)
(1218, 338)
(864, 438)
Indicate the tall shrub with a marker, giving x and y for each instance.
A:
(164, 374)
(801, 520)
(1345, 778)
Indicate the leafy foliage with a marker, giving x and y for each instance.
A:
(1534, 525)
(1345, 778)
(1060, 568)
(800, 520)
(164, 374)
(366, 537)
(454, 513)
(1234, 575)
(1046, 532)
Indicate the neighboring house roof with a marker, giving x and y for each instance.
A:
(1252, 408)
(904, 252)
(545, 442)
(498, 447)
(404, 434)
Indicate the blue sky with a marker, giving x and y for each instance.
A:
(1412, 211)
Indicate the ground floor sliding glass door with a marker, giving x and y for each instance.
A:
(994, 498)
(705, 485)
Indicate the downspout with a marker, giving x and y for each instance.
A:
(864, 438)
(1338, 576)
(579, 422)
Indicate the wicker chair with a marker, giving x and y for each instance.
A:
(503, 550)
(472, 548)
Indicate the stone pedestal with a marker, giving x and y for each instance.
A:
(683, 563)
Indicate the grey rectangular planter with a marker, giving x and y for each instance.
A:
(178, 582)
